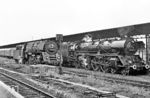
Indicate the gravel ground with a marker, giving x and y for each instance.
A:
(122, 89)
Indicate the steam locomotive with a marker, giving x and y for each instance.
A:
(36, 52)
(112, 56)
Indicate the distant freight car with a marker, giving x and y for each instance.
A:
(8, 52)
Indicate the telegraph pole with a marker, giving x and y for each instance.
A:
(59, 39)
(146, 48)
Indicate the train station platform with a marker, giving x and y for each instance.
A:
(8, 92)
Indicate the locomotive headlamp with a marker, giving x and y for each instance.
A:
(58, 57)
(147, 66)
(134, 67)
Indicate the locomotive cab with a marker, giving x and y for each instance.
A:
(18, 54)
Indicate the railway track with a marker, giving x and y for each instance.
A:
(99, 75)
(112, 78)
(25, 88)
(86, 91)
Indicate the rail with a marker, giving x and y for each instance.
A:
(46, 94)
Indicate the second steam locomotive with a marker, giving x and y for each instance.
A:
(113, 56)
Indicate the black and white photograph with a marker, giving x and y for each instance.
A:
(74, 49)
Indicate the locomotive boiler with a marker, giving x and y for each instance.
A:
(114, 56)
(123, 47)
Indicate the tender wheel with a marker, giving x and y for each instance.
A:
(94, 64)
(105, 67)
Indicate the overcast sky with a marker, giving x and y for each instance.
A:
(23, 20)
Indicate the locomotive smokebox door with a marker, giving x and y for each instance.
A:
(59, 37)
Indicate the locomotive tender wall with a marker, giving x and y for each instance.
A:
(35, 46)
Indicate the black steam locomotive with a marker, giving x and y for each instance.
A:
(36, 52)
(113, 56)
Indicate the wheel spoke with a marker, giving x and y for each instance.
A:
(94, 65)
(88, 67)
(104, 68)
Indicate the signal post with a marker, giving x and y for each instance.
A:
(59, 39)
